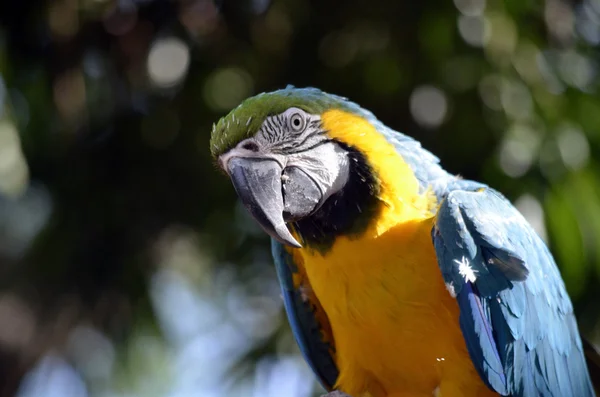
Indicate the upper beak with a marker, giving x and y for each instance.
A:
(257, 182)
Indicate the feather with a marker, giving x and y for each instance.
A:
(306, 328)
(516, 316)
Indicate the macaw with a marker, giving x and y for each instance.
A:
(398, 278)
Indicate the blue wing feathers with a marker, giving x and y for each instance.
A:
(481, 340)
(516, 317)
(305, 327)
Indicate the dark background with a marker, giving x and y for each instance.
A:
(127, 268)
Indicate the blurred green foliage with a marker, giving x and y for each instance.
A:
(106, 179)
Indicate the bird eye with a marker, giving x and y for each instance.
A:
(297, 122)
(252, 146)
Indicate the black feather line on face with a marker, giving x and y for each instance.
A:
(270, 130)
(348, 212)
(306, 138)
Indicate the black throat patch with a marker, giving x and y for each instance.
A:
(346, 213)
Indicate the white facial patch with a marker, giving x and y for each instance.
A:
(327, 164)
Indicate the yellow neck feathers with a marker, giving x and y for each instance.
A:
(399, 188)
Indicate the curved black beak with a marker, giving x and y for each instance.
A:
(257, 182)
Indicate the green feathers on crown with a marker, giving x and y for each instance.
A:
(245, 120)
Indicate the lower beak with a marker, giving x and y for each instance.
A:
(258, 184)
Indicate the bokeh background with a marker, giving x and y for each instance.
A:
(128, 268)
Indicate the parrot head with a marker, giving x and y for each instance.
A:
(302, 163)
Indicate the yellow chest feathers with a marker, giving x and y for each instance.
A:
(394, 326)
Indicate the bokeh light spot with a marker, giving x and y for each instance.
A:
(525, 62)
(371, 37)
(550, 160)
(53, 376)
(587, 22)
(168, 62)
(70, 95)
(576, 69)
(93, 65)
(474, 30)
(489, 91)
(226, 88)
(503, 35)
(14, 172)
(18, 322)
(544, 64)
(532, 210)
(200, 17)
(22, 219)
(92, 352)
(2, 96)
(518, 150)
(559, 19)
(470, 7)
(428, 106)
(516, 99)
(573, 146)
(260, 6)
(63, 18)
(515, 159)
